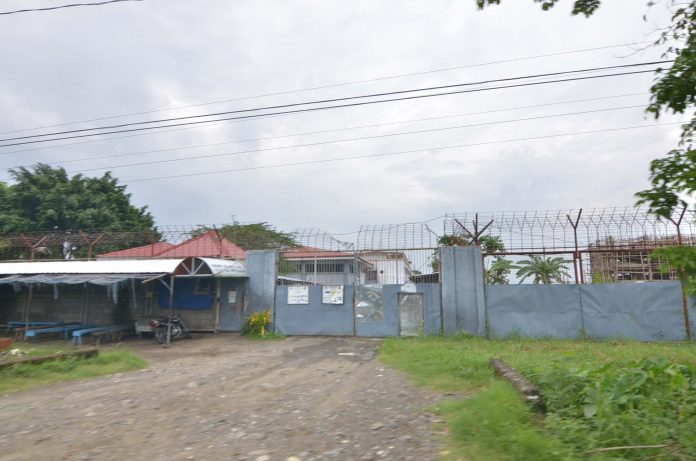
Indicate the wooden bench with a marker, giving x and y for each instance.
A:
(111, 334)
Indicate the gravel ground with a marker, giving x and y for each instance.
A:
(227, 398)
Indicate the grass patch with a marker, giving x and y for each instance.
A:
(26, 376)
(269, 335)
(493, 423)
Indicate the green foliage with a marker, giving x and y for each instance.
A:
(586, 7)
(25, 376)
(497, 273)
(682, 259)
(257, 236)
(543, 270)
(257, 323)
(491, 422)
(44, 198)
(651, 402)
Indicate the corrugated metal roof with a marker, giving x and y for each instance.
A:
(310, 252)
(121, 266)
(205, 245)
(208, 244)
(217, 267)
(145, 251)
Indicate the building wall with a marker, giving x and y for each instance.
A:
(76, 303)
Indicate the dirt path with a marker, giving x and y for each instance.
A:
(227, 398)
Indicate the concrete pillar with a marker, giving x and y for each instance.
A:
(262, 267)
(463, 302)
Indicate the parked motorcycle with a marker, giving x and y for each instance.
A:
(179, 330)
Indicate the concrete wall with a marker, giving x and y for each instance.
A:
(314, 318)
(463, 303)
(644, 311)
(534, 311)
(647, 311)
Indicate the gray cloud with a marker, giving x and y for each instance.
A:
(83, 63)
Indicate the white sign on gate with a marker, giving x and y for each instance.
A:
(298, 295)
(332, 294)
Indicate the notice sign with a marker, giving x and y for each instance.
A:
(332, 294)
(298, 295)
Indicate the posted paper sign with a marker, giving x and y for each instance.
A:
(332, 294)
(298, 295)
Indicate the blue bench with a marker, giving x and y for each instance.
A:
(78, 334)
(63, 330)
(16, 324)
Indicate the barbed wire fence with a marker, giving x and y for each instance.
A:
(594, 245)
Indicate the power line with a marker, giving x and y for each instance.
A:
(386, 154)
(345, 98)
(268, 138)
(361, 138)
(72, 5)
(334, 85)
(355, 104)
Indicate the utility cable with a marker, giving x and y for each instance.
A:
(345, 98)
(355, 82)
(72, 5)
(361, 138)
(355, 104)
(333, 130)
(386, 154)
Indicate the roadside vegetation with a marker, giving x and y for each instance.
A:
(26, 376)
(257, 325)
(600, 395)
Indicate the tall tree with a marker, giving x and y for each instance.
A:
(543, 270)
(46, 198)
(674, 90)
(258, 236)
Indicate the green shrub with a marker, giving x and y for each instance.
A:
(651, 402)
(257, 323)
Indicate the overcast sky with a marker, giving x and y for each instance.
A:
(83, 63)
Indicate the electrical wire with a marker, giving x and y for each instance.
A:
(268, 138)
(345, 98)
(386, 154)
(361, 138)
(334, 85)
(355, 104)
(72, 5)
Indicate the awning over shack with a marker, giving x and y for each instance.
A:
(72, 279)
(109, 272)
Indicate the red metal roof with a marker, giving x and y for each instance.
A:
(309, 252)
(205, 245)
(145, 251)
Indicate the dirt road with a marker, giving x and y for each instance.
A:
(228, 398)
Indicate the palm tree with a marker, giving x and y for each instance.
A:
(543, 270)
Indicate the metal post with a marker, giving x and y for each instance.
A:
(27, 308)
(217, 304)
(171, 311)
(685, 299)
(577, 261)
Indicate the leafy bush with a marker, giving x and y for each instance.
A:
(652, 402)
(256, 323)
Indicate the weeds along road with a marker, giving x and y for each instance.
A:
(228, 398)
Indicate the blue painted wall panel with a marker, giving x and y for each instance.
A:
(646, 311)
(534, 311)
(314, 318)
